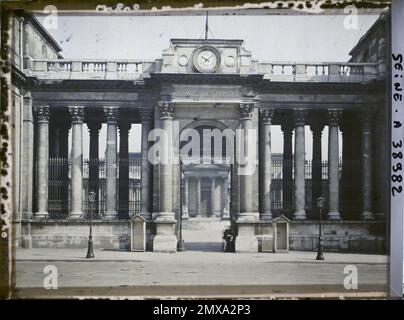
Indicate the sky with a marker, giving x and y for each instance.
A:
(295, 38)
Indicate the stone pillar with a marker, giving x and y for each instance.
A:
(218, 197)
(265, 164)
(64, 154)
(299, 120)
(147, 170)
(316, 175)
(333, 166)
(165, 239)
(198, 196)
(367, 178)
(212, 197)
(246, 240)
(226, 197)
(124, 163)
(111, 163)
(42, 160)
(287, 167)
(246, 111)
(93, 170)
(185, 200)
(76, 207)
(28, 162)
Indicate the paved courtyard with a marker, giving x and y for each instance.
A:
(196, 273)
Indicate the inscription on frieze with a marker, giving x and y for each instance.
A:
(199, 92)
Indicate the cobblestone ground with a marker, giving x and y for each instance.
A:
(196, 273)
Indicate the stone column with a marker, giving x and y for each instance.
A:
(185, 200)
(167, 110)
(76, 207)
(212, 197)
(333, 166)
(246, 111)
(265, 164)
(287, 167)
(218, 197)
(42, 160)
(299, 119)
(147, 170)
(111, 163)
(316, 175)
(226, 198)
(64, 154)
(28, 161)
(198, 196)
(367, 178)
(124, 163)
(165, 239)
(93, 170)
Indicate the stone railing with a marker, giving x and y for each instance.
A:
(90, 69)
(64, 69)
(320, 72)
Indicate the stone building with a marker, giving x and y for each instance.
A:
(198, 84)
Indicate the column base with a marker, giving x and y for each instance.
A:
(246, 240)
(41, 215)
(165, 239)
(164, 216)
(299, 215)
(333, 215)
(26, 241)
(267, 216)
(248, 217)
(367, 215)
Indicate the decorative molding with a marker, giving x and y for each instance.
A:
(112, 114)
(167, 109)
(246, 110)
(267, 115)
(42, 113)
(77, 113)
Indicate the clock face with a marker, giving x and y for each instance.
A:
(206, 59)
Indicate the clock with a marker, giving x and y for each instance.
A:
(206, 59)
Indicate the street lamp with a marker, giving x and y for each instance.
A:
(90, 251)
(319, 202)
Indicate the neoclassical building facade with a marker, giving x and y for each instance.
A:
(198, 84)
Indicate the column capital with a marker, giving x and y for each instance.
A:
(124, 126)
(77, 113)
(287, 128)
(42, 113)
(246, 110)
(93, 127)
(146, 115)
(317, 128)
(267, 115)
(299, 117)
(112, 114)
(167, 109)
(334, 117)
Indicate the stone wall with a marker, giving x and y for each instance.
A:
(346, 236)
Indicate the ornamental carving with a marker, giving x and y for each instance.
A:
(333, 117)
(77, 113)
(299, 117)
(246, 110)
(112, 114)
(167, 109)
(42, 113)
(267, 115)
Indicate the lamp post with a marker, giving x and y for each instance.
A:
(90, 251)
(320, 256)
(180, 242)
